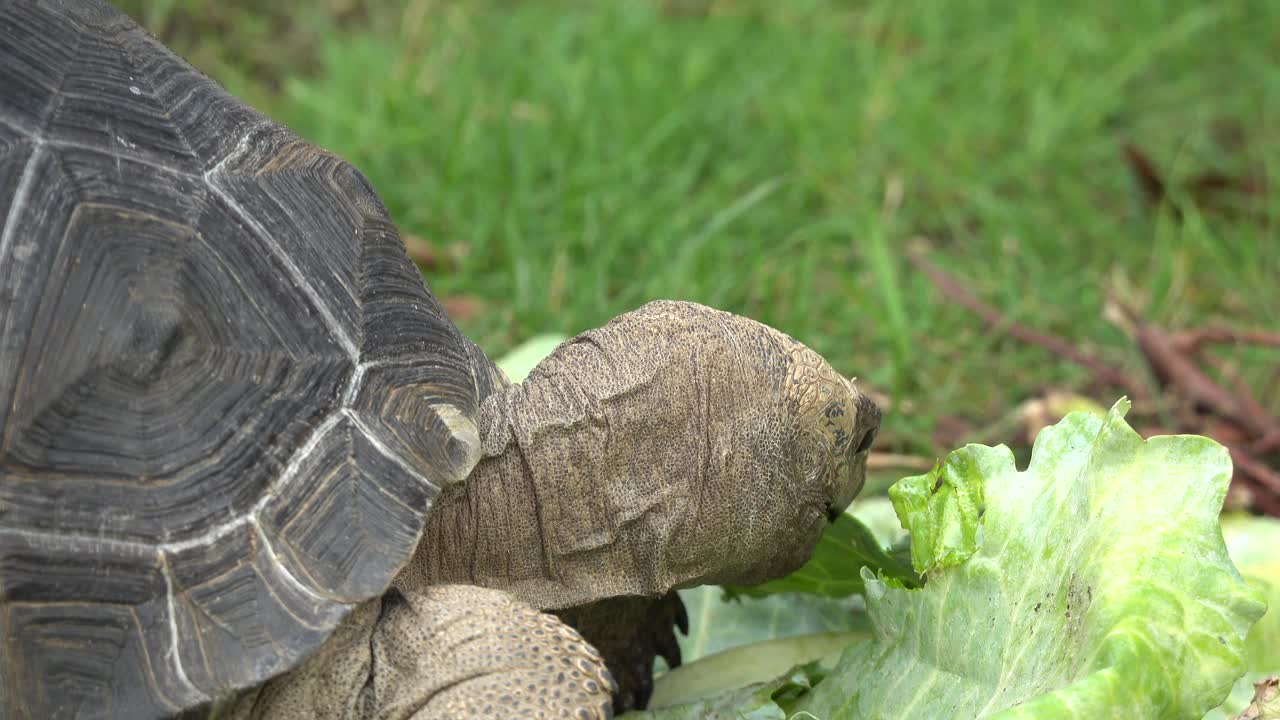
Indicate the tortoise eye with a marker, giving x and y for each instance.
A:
(867, 439)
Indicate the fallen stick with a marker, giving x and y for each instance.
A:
(1191, 340)
(1175, 362)
(1256, 469)
(949, 286)
(1264, 481)
(895, 461)
(1248, 404)
(1266, 444)
(1176, 368)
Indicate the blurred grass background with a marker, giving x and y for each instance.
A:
(571, 160)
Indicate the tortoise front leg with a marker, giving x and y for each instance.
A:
(630, 632)
(451, 651)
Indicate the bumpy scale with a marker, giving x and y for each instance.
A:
(452, 651)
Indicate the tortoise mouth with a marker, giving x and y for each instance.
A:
(833, 512)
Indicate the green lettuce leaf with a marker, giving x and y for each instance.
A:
(1254, 545)
(1096, 584)
(521, 360)
(749, 665)
(834, 569)
(752, 637)
(942, 508)
(720, 618)
(717, 623)
(761, 701)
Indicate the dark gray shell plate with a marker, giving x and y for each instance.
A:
(227, 398)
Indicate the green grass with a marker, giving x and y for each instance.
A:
(776, 160)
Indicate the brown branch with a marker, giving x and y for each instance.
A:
(1265, 503)
(1247, 403)
(1175, 368)
(1192, 340)
(1262, 480)
(994, 319)
(894, 461)
(1267, 443)
(1255, 468)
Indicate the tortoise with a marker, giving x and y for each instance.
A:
(247, 460)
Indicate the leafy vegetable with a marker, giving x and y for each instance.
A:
(753, 664)
(740, 638)
(718, 622)
(941, 510)
(521, 360)
(1254, 545)
(762, 701)
(1095, 583)
(833, 570)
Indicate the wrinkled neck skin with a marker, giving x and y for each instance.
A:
(664, 450)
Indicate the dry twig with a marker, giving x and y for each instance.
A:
(994, 319)
(895, 461)
(1175, 368)
(1201, 404)
(1190, 341)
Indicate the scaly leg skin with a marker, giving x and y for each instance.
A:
(452, 651)
(631, 631)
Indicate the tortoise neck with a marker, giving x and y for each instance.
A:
(531, 518)
(658, 452)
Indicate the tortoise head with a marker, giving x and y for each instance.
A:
(787, 439)
(835, 426)
(791, 448)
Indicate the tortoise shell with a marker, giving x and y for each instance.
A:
(227, 398)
